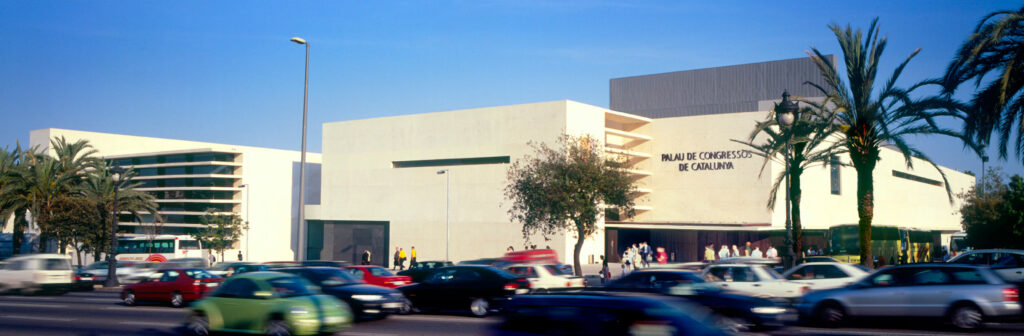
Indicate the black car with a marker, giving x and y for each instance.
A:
(597, 313)
(480, 289)
(423, 269)
(82, 281)
(250, 268)
(735, 311)
(366, 301)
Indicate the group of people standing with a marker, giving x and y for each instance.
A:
(400, 258)
(746, 251)
(641, 256)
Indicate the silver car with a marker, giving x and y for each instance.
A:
(965, 295)
(1007, 263)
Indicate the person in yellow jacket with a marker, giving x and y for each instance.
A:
(401, 259)
(412, 257)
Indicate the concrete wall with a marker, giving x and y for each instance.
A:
(272, 174)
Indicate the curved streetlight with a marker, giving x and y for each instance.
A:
(786, 119)
(447, 201)
(116, 172)
(302, 165)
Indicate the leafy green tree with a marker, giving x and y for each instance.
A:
(870, 117)
(993, 216)
(993, 51)
(565, 189)
(220, 231)
(811, 146)
(73, 220)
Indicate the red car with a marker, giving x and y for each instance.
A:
(376, 275)
(176, 285)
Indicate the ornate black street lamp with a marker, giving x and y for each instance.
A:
(786, 118)
(116, 173)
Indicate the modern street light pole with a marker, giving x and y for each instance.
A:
(302, 167)
(116, 173)
(984, 159)
(786, 120)
(447, 211)
(247, 220)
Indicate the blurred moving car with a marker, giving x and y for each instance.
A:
(227, 269)
(184, 263)
(736, 312)
(825, 275)
(756, 279)
(367, 301)
(965, 295)
(325, 263)
(34, 273)
(544, 278)
(480, 289)
(376, 275)
(594, 313)
(813, 259)
(82, 281)
(1008, 263)
(250, 268)
(422, 269)
(690, 266)
(175, 286)
(139, 272)
(271, 303)
(99, 270)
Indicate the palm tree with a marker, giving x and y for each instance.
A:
(993, 49)
(867, 123)
(74, 158)
(812, 145)
(12, 204)
(99, 185)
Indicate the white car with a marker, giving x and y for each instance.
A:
(825, 275)
(35, 273)
(756, 280)
(544, 278)
(1009, 264)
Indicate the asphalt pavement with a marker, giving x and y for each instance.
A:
(102, 313)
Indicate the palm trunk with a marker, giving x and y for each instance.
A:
(19, 234)
(794, 194)
(865, 207)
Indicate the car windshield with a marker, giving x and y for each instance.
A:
(199, 274)
(380, 272)
(290, 286)
(331, 277)
(55, 264)
(771, 272)
(863, 268)
(97, 265)
(558, 270)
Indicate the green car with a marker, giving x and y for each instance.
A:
(270, 303)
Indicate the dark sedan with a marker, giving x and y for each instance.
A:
(366, 301)
(423, 269)
(594, 313)
(480, 289)
(735, 311)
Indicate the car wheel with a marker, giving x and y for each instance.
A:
(966, 317)
(406, 307)
(831, 314)
(177, 301)
(277, 328)
(129, 298)
(198, 325)
(479, 307)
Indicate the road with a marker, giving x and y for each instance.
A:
(101, 313)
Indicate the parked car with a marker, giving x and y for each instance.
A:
(825, 275)
(1008, 263)
(544, 278)
(379, 276)
(736, 312)
(593, 313)
(34, 273)
(175, 286)
(965, 295)
(756, 279)
(480, 289)
(271, 303)
(367, 301)
(422, 269)
(227, 269)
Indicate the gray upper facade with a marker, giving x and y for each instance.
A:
(727, 89)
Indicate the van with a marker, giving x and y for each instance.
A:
(35, 273)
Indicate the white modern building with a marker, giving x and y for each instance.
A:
(260, 185)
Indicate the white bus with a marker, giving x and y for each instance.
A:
(159, 248)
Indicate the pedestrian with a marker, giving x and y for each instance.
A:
(709, 253)
(772, 252)
(239, 255)
(747, 250)
(626, 260)
(604, 270)
(397, 261)
(212, 259)
(648, 254)
(401, 259)
(735, 251)
(510, 249)
(662, 255)
(757, 253)
(723, 252)
(412, 257)
(366, 257)
(638, 260)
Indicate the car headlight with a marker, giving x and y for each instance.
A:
(299, 311)
(768, 310)
(367, 297)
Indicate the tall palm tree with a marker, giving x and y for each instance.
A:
(11, 201)
(99, 185)
(869, 117)
(74, 157)
(994, 50)
(812, 144)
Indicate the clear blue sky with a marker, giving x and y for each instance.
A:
(225, 72)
